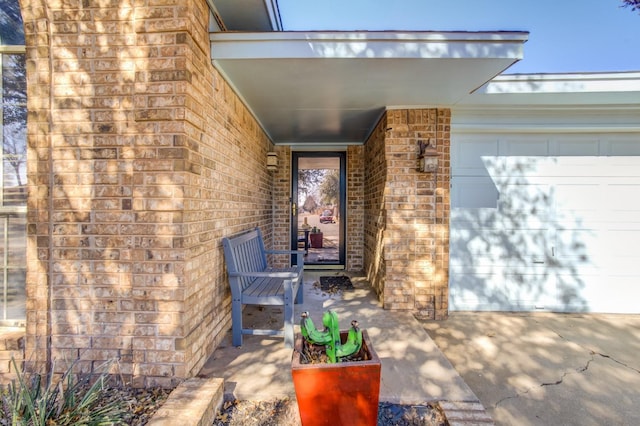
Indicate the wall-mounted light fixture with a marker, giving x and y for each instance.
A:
(272, 161)
(428, 156)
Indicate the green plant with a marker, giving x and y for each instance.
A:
(330, 338)
(73, 399)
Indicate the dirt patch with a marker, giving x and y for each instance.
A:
(335, 283)
(278, 412)
(284, 412)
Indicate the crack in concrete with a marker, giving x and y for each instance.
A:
(619, 362)
(578, 370)
(506, 398)
(596, 353)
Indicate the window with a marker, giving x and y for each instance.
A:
(13, 191)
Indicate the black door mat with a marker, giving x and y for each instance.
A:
(336, 282)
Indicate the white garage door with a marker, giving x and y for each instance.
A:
(545, 223)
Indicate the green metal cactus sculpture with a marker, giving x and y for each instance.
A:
(330, 336)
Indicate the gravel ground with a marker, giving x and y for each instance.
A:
(284, 412)
(138, 405)
(141, 403)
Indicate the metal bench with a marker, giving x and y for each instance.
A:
(254, 282)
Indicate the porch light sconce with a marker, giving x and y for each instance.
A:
(272, 161)
(427, 157)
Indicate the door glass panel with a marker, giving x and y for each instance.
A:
(319, 195)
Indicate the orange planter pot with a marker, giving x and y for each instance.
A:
(346, 393)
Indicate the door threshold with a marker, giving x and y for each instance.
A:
(322, 267)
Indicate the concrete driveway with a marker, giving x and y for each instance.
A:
(547, 369)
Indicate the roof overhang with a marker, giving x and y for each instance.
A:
(332, 87)
(561, 103)
(570, 89)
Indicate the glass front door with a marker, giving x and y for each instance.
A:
(319, 208)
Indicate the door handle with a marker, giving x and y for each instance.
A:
(294, 209)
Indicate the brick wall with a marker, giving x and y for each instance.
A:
(375, 178)
(282, 205)
(407, 213)
(355, 209)
(11, 351)
(141, 158)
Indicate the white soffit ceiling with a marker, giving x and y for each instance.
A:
(332, 87)
(247, 15)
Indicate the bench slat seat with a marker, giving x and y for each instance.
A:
(253, 282)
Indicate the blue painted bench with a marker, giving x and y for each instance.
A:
(254, 282)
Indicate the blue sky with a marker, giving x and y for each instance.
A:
(565, 35)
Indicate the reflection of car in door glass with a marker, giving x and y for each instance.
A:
(326, 217)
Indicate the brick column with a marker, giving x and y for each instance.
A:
(408, 215)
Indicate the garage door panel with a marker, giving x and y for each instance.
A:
(473, 193)
(488, 218)
(597, 293)
(616, 295)
(500, 247)
(585, 219)
(622, 218)
(525, 204)
(512, 168)
(594, 205)
(565, 229)
(513, 268)
(576, 145)
(577, 290)
(623, 196)
(624, 266)
(623, 166)
(574, 198)
(524, 145)
(580, 167)
(496, 257)
(470, 152)
(622, 146)
(501, 289)
(597, 252)
(621, 242)
(583, 246)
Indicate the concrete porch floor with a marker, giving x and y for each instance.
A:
(414, 370)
